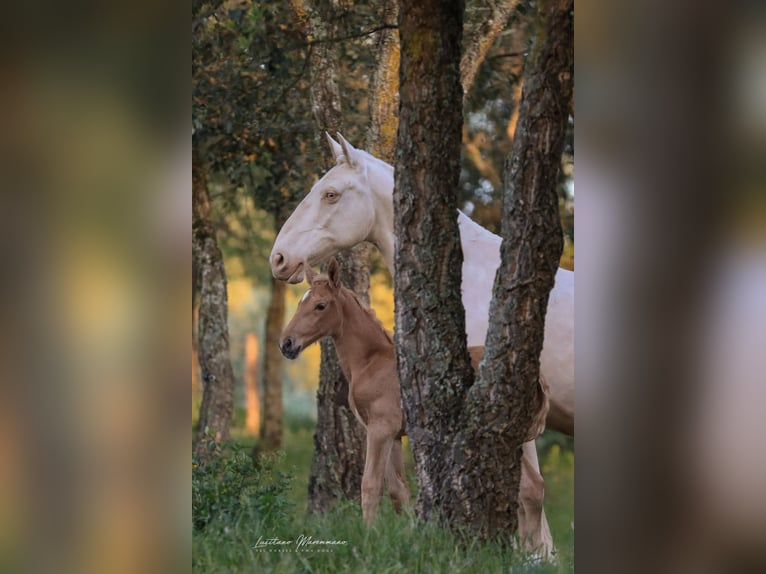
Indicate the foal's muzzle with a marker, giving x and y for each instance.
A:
(289, 348)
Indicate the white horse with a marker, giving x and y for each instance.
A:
(352, 203)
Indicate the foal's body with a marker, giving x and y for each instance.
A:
(366, 355)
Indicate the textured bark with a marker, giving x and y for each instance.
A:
(432, 359)
(217, 405)
(499, 406)
(384, 89)
(317, 20)
(482, 41)
(271, 433)
(339, 439)
(252, 400)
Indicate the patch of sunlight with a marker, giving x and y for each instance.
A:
(382, 300)
(240, 293)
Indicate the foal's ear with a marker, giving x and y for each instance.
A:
(310, 274)
(337, 151)
(353, 155)
(333, 273)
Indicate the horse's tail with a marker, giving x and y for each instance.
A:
(542, 406)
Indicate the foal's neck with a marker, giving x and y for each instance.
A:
(361, 337)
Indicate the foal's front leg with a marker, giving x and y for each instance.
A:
(378, 450)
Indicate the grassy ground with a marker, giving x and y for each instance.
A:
(394, 544)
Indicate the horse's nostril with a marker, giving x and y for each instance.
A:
(278, 259)
(288, 344)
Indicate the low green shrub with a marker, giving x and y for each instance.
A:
(232, 481)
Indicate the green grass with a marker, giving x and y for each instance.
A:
(396, 543)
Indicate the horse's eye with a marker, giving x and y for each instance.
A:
(320, 307)
(331, 196)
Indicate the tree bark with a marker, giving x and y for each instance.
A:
(500, 405)
(466, 436)
(217, 406)
(432, 358)
(252, 400)
(271, 432)
(339, 439)
(384, 89)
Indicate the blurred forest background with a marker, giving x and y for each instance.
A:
(257, 150)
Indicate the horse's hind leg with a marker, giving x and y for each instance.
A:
(378, 452)
(534, 531)
(395, 480)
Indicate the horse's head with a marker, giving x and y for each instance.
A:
(338, 213)
(318, 314)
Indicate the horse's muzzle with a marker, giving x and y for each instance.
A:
(289, 348)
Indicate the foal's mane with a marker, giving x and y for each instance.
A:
(370, 313)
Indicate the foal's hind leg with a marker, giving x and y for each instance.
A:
(395, 481)
(378, 451)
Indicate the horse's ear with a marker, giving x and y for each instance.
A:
(337, 151)
(353, 155)
(310, 274)
(333, 273)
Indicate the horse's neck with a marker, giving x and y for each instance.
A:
(381, 178)
(360, 338)
(473, 237)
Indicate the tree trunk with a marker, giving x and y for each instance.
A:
(217, 405)
(384, 89)
(339, 439)
(500, 406)
(271, 433)
(482, 40)
(432, 358)
(252, 401)
(466, 436)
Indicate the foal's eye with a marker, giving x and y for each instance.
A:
(320, 306)
(331, 196)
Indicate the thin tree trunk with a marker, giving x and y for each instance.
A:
(384, 89)
(501, 404)
(271, 433)
(339, 439)
(432, 357)
(482, 40)
(252, 400)
(217, 405)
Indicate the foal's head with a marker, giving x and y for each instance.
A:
(318, 314)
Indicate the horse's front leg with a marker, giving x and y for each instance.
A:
(379, 443)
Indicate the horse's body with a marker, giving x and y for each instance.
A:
(366, 354)
(353, 202)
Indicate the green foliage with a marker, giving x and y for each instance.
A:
(396, 543)
(232, 483)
